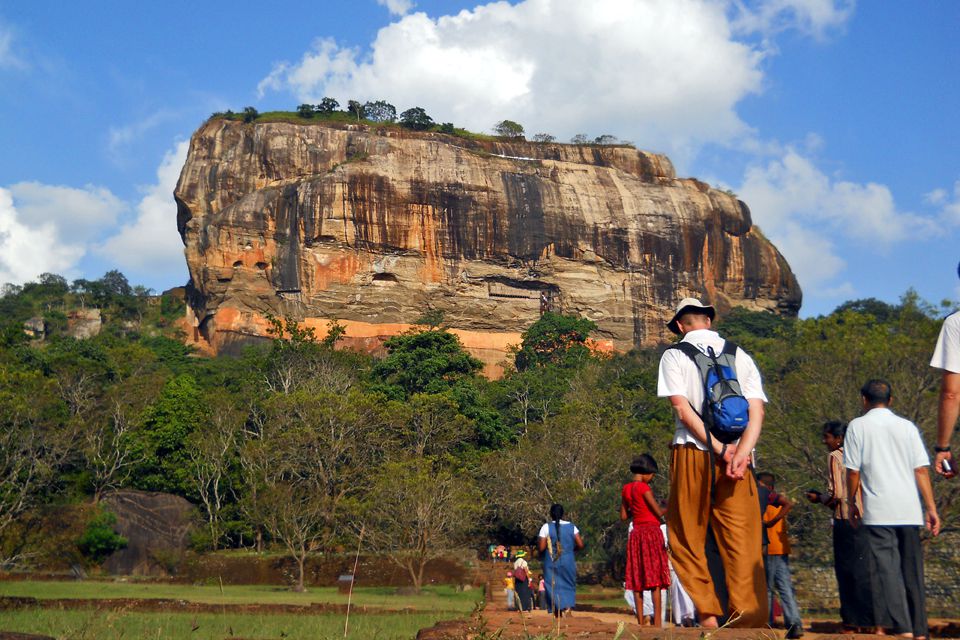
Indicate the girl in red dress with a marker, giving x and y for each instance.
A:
(647, 565)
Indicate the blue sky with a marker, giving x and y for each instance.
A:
(835, 121)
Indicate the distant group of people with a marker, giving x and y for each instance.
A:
(726, 525)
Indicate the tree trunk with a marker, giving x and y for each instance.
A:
(301, 559)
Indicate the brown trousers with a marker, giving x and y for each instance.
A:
(735, 519)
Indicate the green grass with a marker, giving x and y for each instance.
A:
(433, 598)
(106, 625)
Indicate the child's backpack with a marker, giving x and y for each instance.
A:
(725, 412)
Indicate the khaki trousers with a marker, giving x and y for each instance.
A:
(735, 519)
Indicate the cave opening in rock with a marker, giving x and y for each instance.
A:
(385, 278)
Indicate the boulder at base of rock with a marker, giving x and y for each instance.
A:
(156, 526)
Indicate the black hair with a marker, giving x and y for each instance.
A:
(876, 392)
(644, 464)
(835, 428)
(556, 512)
(767, 474)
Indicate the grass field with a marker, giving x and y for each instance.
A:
(435, 604)
(442, 598)
(100, 625)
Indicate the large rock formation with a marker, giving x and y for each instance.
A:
(376, 225)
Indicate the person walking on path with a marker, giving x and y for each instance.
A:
(647, 565)
(851, 555)
(884, 455)
(777, 560)
(946, 356)
(521, 578)
(558, 540)
(711, 483)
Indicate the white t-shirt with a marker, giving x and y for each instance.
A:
(947, 354)
(886, 449)
(545, 529)
(679, 376)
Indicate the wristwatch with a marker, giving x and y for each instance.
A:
(945, 449)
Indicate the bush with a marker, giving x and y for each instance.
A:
(250, 114)
(99, 539)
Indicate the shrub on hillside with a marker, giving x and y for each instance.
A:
(100, 539)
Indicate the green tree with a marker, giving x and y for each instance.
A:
(555, 339)
(447, 127)
(309, 463)
(163, 440)
(544, 137)
(416, 118)
(250, 114)
(606, 138)
(305, 110)
(355, 108)
(417, 511)
(508, 129)
(380, 111)
(580, 138)
(423, 362)
(327, 105)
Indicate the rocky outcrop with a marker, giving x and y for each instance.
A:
(376, 225)
(157, 528)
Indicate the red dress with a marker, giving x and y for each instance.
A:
(647, 565)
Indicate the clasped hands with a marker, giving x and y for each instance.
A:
(735, 461)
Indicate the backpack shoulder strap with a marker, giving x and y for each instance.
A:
(685, 347)
(730, 348)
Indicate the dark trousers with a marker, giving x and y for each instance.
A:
(898, 592)
(854, 568)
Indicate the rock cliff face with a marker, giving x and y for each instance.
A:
(376, 225)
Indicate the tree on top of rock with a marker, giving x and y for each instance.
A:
(508, 129)
(327, 105)
(555, 339)
(380, 111)
(416, 118)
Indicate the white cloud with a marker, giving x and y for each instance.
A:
(397, 7)
(47, 228)
(666, 74)
(121, 137)
(814, 18)
(8, 58)
(77, 215)
(150, 244)
(948, 203)
(803, 211)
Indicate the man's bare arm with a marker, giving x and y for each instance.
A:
(926, 492)
(693, 422)
(741, 457)
(947, 419)
(853, 486)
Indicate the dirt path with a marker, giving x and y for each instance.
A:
(600, 623)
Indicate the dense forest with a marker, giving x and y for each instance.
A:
(297, 446)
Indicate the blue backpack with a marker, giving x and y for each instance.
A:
(725, 412)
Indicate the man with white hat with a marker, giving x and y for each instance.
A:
(711, 483)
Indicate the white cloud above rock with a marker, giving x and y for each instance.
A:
(807, 213)
(666, 74)
(149, 246)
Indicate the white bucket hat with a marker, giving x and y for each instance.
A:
(687, 305)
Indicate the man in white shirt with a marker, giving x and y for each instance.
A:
(947, 357)
(885, 458)
(731, 505)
